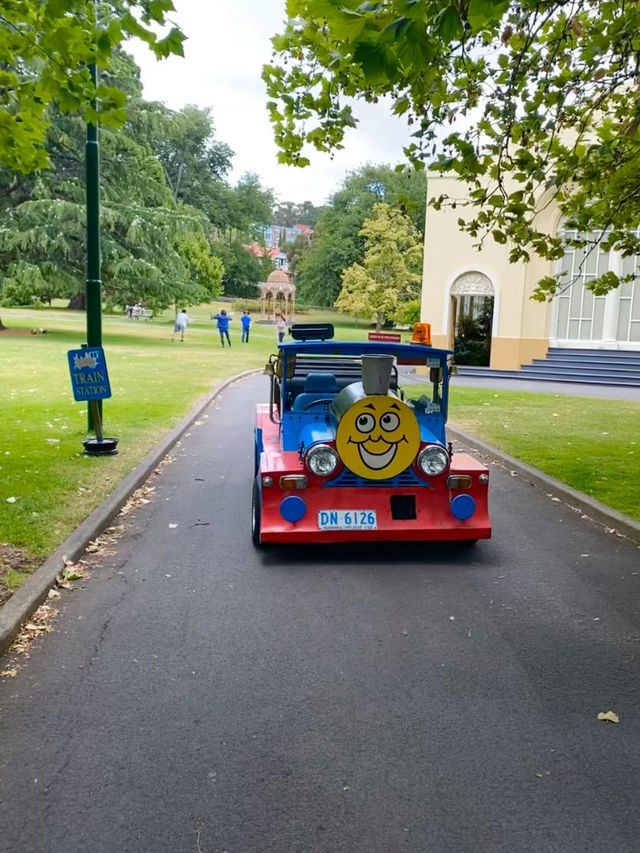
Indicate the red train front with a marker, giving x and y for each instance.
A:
(343, 452)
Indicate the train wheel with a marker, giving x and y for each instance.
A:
(255, 514)
(256, 455)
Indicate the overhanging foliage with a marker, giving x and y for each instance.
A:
(528, 103)
(46, 48)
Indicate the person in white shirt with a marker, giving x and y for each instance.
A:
(181, 323)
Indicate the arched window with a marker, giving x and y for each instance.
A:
(474, 291)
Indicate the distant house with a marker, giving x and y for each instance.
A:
(276, 235)
(276, 254)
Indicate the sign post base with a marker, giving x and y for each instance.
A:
(100, 446)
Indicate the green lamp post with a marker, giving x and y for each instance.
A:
(99, 445)
(93, 280)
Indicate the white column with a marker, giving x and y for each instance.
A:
(610, 320)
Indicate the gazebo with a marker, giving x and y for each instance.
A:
(277, 296)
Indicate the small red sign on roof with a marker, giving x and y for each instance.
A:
(388, 337)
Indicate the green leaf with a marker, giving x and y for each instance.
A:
(170, 44)
(377, 62)
(448, 24)
(483, 12)
(348, 25)
(57, 8)
(156, 9)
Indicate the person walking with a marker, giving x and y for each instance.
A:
(181, 323)
(223, 319)
(246, 326)
(281, 325)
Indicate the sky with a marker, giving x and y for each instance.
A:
(228, 42)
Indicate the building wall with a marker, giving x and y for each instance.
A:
(520, 326)
(523, 329)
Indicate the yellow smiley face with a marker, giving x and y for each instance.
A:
(378, 437)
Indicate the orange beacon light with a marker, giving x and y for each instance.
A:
(422, 334)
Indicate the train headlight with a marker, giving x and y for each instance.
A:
(321, 460)
(433, 460)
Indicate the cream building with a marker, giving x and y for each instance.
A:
(457, 279)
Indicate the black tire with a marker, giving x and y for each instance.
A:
(256, 455)
(255, 514)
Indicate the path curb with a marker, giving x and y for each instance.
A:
(35, 589)
(596, 511)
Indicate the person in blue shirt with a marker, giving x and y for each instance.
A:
(223, 320)
(246, 325)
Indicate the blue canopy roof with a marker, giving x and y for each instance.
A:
(334, 347)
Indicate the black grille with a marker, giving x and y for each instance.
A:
(403, 507)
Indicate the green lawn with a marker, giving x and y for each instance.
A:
(588, 443)
(47, 485)
(155, 382)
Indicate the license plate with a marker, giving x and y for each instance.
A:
(347, 519)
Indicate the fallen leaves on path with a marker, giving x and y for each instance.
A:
(609, 717)
(71, 572)
(41, 623)
(139, 498)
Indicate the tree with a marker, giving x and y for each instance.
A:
(254, 204)
(267, 265)
(308, 213)
(391, 272)
(185, 144)
(337, 239)
(285, 213)
(289, 213)
(152, 254)
(196, 165)
(154, 249)
(295, 253)
(543, 94)
(242, 270)
(46, 50)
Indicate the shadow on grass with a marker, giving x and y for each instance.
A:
(75, 339)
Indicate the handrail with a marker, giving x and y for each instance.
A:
(272, 402)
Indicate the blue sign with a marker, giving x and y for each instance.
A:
(89, 377)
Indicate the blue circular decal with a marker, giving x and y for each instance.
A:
(463, 507)
(293, 508)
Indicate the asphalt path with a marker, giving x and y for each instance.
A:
(197, 695)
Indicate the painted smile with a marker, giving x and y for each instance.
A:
(378, 454)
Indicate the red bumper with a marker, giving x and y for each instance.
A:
(433, 521)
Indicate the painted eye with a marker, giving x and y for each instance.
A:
(389, 422)
(365, 423)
